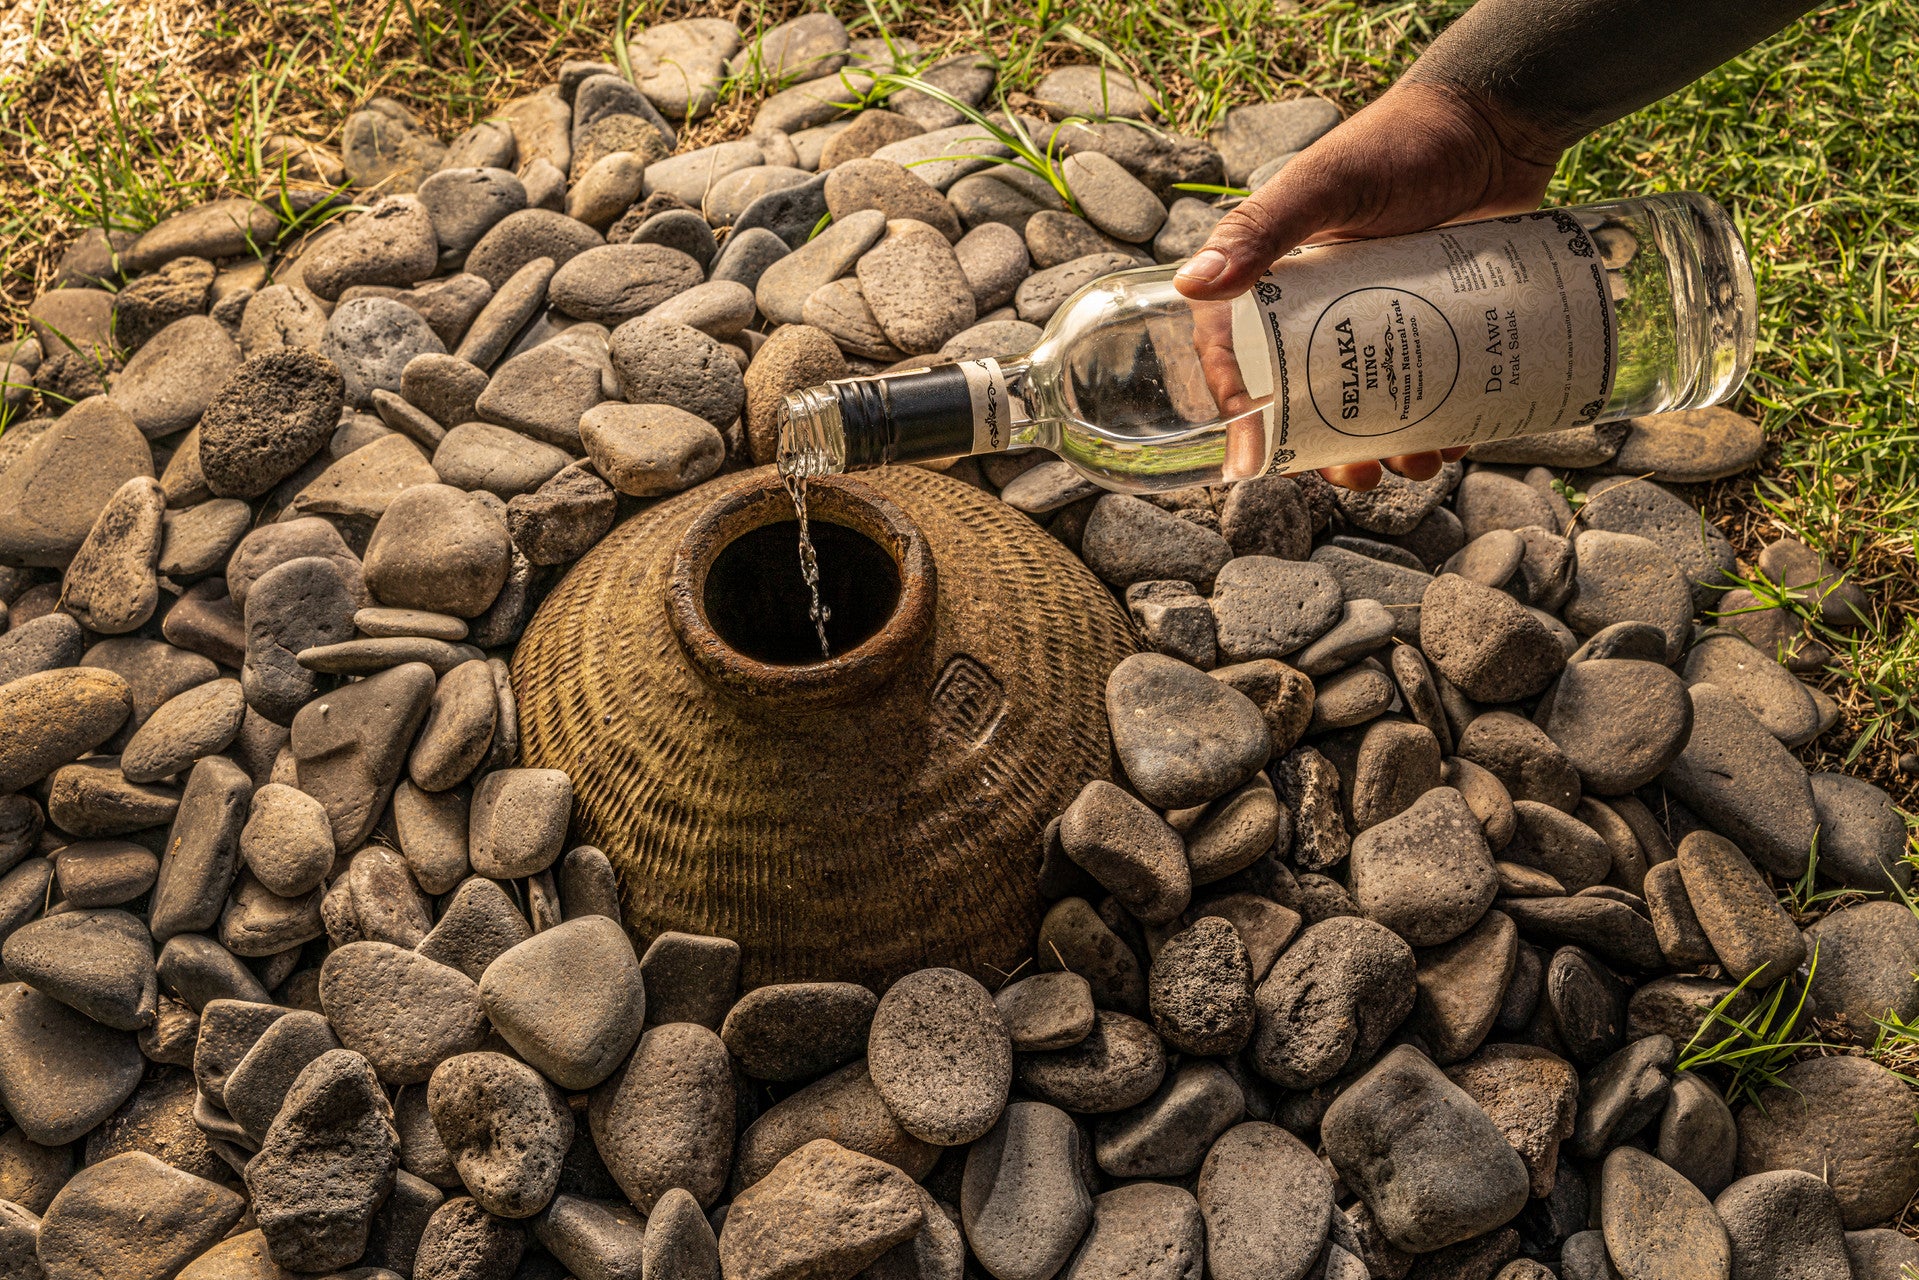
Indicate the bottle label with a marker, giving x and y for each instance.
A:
(1449, 337)
(993, 405)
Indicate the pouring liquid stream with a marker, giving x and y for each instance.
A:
(795, 466)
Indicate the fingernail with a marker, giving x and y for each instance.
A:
(1204, 266)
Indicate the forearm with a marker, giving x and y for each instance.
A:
(1555, 70)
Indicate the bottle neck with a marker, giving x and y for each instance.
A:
(946, 412)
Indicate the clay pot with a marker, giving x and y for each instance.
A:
(855, 818)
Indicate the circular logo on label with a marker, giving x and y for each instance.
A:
(1380, 360)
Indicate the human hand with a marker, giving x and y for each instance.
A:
(1422, 155)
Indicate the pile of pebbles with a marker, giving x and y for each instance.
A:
(1444, 813)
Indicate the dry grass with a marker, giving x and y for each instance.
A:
(118, 112)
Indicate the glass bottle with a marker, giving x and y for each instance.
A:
(1367, 349)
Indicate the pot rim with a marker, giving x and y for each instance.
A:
(761, 500)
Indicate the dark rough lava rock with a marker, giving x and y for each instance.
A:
(506, 1129)
(1330, 1001)
(1201, 990)
(462, 1241)
(325, 1166)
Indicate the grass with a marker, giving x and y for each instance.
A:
(1755, 1048)
(115, 112)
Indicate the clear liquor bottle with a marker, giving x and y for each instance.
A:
(1473, 332)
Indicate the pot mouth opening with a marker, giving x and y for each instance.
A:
(756, 599)
(737, 599)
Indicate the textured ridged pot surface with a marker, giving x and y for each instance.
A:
(851, 819)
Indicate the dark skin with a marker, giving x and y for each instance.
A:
(1475, 130)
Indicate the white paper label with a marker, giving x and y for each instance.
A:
(1486, 330)
(993, 405)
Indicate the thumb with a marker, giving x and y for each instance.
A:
(1297, 203)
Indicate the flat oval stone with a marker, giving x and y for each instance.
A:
(105, 873)
(675, 364)
(258, 1084)
(439, 549)
(1776, 697)
(53, 492)
(1862, 839)
(403, 1012)
(1252, 1167)
(1619, 722)
(569, 1000)
(203, 721)
(61, 1073)
(1118, 1065)
(1658, 1223)
(371, 341)
(1526, 762)
(940, 1055)
(614, 283)
(98, 962)
(133, 1216)
(1745, 783)
(1169, 1134)
(1784, 1223)
(1182, 737)
(56, 716)
(1847, 1120)
(916, 288)
(1023, 1199)
(843, 1106)
(665, 1118)
(1146, 1229)
(797, 1030)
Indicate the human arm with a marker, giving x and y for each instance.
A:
(1474, 129)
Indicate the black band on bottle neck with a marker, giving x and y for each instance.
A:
(906, 417)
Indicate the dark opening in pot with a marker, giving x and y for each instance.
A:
(757, 602)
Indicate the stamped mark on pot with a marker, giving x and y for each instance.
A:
(967, 701)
